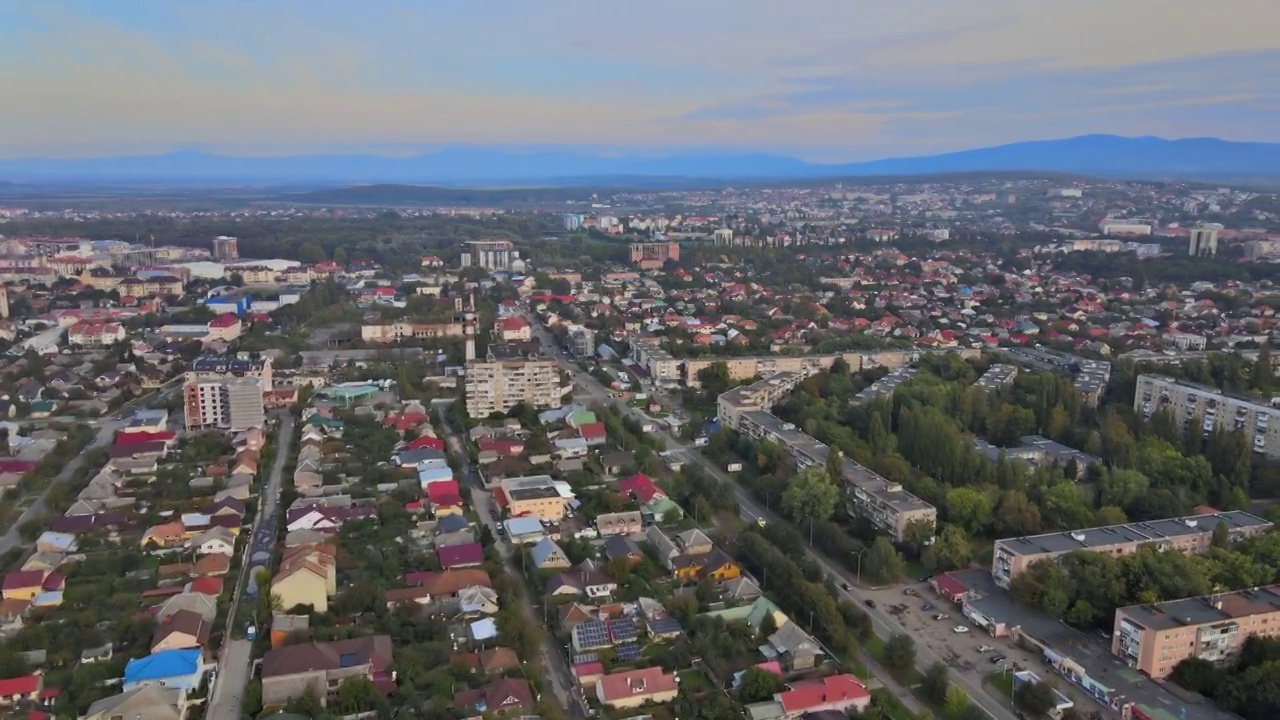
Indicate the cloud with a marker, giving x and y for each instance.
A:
(830, 79)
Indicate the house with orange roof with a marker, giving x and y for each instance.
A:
(165, 535)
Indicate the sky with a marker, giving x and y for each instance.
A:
(826, 80)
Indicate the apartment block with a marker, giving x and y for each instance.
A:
(1192, 534)
(745, 368)
(226, 392)
(582, 341)
(491, 254)
(499, 385)
(890, 507)
(997, 377)
(408, 330)
(1203, 407)
(885, 385)
(652, 255)
(1155, 638)
(1090, 376)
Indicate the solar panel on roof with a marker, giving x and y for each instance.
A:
(663, 626)
(627, 652)
(585, 658)
(622, 630)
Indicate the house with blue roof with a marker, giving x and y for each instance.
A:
(179, 669)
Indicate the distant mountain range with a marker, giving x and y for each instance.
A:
(1098, 155)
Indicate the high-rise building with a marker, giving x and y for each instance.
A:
(226, 248)
(572, 221)
(226, 392)
(499, 385)
(651, 255)
(1154, 638)
(4, 302)
(582, 341)
(1204, 240)
(490, 254)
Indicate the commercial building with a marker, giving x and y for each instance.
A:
(491, 254)
(409, 330)
(885, 503)
(1155, 638)
(499, 385)
(1207, 407)
(534, 496)
(1203, 240)
(651, 255)
(1192, 534)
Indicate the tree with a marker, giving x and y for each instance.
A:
(1037, 698)
(1196, 675)
(969, 508)
(1015, 515)
(759, 685)
(811, 496)
(884, 564)
(900, 653)
(935, 682)
(1261, 375)
(952, 550)
(957, 702)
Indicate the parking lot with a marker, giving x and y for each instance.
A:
(963, 652)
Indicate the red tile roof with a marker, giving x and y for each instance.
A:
(641, 486)
(25, 685)
(460, 555)
(22, 579)
(831, 691)
(225, 320)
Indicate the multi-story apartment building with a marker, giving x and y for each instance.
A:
(226, 248)
(997, 377)
(1192, 534)
(490, 254)
(885, 503)
(650, 255)
(226, 392)
(667, 370)
(1155, 638)
(885, 385)
(1202, 407)
(227, 404)
(407, 329)
(499, 385)
(1090, 376)
(582, 341)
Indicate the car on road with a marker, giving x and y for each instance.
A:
(960, 629)
(912, 592)
(844, 586)
(997, 659)
(870, 603)
(985, 649)
(926, 607)
(941, 616)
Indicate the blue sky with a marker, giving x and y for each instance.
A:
(828, 80)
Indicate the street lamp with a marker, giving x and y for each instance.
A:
(858, 554)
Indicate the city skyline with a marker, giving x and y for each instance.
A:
(822, 80)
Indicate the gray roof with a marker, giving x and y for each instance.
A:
(1206, 609)
(1152, 531)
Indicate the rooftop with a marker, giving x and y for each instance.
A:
(1205, 610)
(1151, 531)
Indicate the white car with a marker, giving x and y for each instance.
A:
(960, 629)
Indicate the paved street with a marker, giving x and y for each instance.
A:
(550, 658)
(235, 660)
(883, 624)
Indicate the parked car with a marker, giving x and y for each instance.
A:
(997, 659)
(985, 649)
(926, 607)
(960, 629)
(912, 592)
(941, 616)
(870, 603)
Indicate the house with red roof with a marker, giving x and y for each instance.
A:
(143, 437)
(640, 487)
(27, 687)
(461, 556)
(513, 329)
(494, 449)
(445, 498)
(840, 693)
(594, 433)
(226, 326)
(425, 442)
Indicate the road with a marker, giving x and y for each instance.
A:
(235, 660)
(884, 625)
(550, 657)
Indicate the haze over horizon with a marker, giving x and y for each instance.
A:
(823, 80)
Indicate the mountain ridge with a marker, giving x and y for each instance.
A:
(1108, 156)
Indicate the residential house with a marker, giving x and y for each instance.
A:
(164, 535)
(619, 523)
(307, 576)
(507, 696)
(547, 555)
(426, 588)
(204, 605)
(632, 688)
(181, 630)
(621, 546)
(839, 693)
(170, 668)
(492, 661)
(586, 579)
(23, 584)
(215, 540)
(460, 556)
(13, 615)
(289, 672)
(793, 647)
(150, 702)
(691, 555)
(20, 689)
